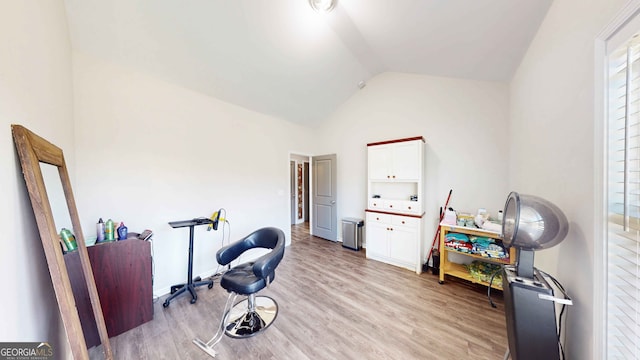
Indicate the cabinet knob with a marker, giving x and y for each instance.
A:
(409, 207)
(403, 221)
(387, 229)
(391, 229)
(375, 204)
(388, 177)
(390, 206)
(377, 218)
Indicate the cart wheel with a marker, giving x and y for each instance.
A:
(198, 278)
(440, 282)
(193, 301)
(210, 285)
(165, 304)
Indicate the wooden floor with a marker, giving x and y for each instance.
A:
(334, 304)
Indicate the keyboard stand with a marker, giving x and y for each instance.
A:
(191, 283)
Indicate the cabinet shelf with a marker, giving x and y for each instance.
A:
(504, 261)
(470, 231)
(459, 270)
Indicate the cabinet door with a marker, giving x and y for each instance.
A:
(379, 162)
(406, 160)
(402, 244)
(377, 242)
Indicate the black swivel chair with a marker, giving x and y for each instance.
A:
(255, 313)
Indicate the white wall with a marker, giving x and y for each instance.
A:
(35, 91)
(551, 146)
(463, 122)
(149, 152)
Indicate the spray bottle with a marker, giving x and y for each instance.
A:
(100, 230)
(68, 240)
(109, 231)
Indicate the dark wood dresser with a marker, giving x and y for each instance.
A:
(122, 272)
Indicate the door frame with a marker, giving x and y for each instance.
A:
(291, 185)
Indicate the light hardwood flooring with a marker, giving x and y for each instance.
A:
(334, 304)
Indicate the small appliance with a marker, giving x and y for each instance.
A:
(530, 224)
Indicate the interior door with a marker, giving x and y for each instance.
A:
(325, 222)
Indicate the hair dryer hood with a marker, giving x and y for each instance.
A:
(532, 223)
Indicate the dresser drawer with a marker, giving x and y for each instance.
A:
(379, 218)
(376, 204)
(392, 205)
(405, 221)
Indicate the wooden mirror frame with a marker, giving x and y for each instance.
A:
(32, 150)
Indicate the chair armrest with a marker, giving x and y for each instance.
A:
(267, 263)
(231, 252)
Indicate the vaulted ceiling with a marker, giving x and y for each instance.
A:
(281, 58)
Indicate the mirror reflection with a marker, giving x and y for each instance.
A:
(57, 200)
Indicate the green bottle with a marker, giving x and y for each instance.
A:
(109, 231)
(68, 239)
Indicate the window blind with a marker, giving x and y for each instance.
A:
(623, 182)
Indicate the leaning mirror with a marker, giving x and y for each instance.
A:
(34, 151)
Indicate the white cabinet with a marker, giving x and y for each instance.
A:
(394, 208)
(393, 239)
(377, 242)
(379, 162)
(395, 161)
(405, 159)
(399, 206)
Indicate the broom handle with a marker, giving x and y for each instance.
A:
(435, 237)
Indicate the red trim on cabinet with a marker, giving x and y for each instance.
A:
(396, 141)
(394, 213)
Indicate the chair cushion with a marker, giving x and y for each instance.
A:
(242, 280)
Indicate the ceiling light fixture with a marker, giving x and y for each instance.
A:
(323, 5)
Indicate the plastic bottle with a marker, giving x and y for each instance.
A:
(122, 231)
(68, 239)
(109, 231)
(100, 230)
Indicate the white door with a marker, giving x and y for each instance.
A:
(325, 222)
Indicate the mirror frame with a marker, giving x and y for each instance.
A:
(32, 149)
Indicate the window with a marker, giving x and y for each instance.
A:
(623, 201)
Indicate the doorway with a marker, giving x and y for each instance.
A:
(313, 195)
(299, 174)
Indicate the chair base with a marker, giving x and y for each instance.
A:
(246, 319)
(205, 347)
